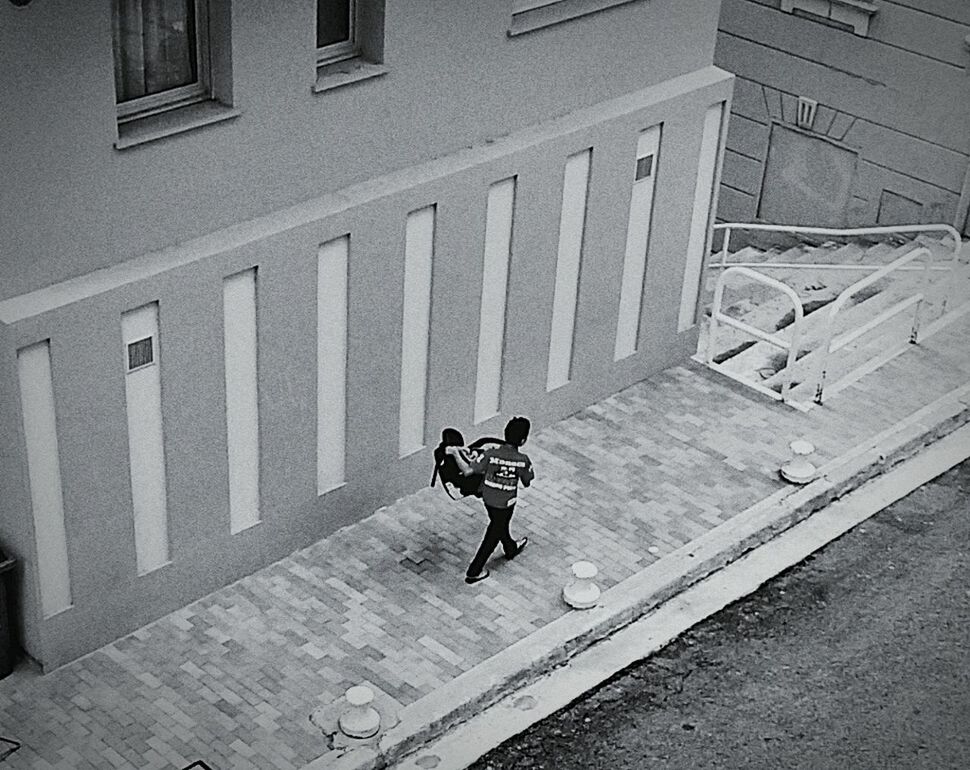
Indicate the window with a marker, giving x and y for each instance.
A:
(172, 66)
(350, 42)
(850, 15)
(161, 54)
(336, 30)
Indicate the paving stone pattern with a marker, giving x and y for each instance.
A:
(232, 678)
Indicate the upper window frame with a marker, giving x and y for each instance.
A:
(344, 49)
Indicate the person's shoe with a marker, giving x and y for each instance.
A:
(475, 578)
(519, 548)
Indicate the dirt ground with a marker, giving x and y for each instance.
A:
(857, 658)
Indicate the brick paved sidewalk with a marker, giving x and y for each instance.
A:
(232, 678)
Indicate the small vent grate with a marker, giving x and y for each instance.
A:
(140, 353)
(805, 117)
(644, 167)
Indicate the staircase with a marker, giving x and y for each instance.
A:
(878, 316)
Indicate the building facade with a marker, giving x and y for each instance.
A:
(256, 255)
(847, 112)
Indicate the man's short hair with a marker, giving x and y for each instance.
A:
(517, 430)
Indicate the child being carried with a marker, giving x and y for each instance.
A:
(446, 467)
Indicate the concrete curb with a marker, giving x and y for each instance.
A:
(558, 641)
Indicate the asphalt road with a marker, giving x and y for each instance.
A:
(858, 657)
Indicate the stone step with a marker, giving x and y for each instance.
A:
(801, 279)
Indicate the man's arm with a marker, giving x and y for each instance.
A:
(468, 463)
(527, 473)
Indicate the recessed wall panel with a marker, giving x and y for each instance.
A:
(331, 363)
(807, 179)
(637, 243)
(242, 410)
(418, 255)
(44, 472)
(701, 217)
(495, 274)
(572, 222)
(143, 404)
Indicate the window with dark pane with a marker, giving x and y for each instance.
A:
(140, 353)
(334, 22)
(644, 167)
(155, 46)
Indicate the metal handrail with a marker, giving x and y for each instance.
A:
(830, 342)
(729, 227)
(718, 317)
(829, 345)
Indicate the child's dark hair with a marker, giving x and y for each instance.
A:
(452, 437)
(517, 430)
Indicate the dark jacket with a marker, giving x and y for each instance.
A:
(504, 467)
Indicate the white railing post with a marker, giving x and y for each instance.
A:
(957, 246)
(715, 314)
(724, 246)
(796, 339)
(825, 348)
(914, 330)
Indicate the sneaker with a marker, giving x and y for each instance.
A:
(519, 547)
(475, 578)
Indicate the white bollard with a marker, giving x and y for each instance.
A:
(800, 470)
(582, 593)
(361, 720)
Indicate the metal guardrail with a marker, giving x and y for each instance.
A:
(830, 342)
(717, 317)
(729, 227)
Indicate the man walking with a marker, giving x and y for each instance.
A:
(503, 466)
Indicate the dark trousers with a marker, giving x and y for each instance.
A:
(497, 532)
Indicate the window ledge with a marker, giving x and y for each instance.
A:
(151, 127)
(541, 16)
(866, 6)
(343, 73)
